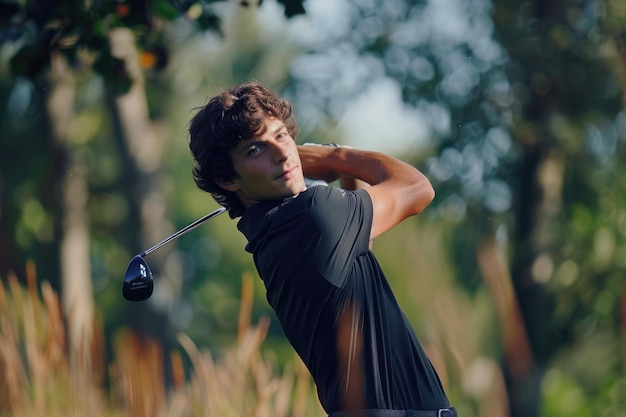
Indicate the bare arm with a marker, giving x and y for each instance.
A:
(351, 183)
(398, 190)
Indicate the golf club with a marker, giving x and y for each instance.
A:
(138, 283)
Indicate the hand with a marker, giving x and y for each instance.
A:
(313, 158)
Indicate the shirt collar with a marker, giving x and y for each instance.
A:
(253, 220)
(253, 216)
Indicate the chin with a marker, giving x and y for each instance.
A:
(296, 187)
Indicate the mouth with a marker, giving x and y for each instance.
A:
(287, 174)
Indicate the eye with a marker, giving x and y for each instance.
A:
(253, 150)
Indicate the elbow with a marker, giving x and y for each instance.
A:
(424, 194)
(428, 197)
(430, 193)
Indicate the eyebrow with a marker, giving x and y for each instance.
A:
(245, 143)
(280, 127)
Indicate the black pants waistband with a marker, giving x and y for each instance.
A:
(444, 412)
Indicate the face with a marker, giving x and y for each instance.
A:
(268, 165)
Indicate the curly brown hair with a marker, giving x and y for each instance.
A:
(235, 114)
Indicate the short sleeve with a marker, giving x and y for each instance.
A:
(341, 227)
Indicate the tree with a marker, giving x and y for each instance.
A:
(566, 66)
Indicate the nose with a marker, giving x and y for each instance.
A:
(280, 151)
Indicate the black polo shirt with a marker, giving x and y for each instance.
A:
(312, 253)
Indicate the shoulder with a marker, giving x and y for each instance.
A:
(328, 200)
(334, 195)
(335, 207)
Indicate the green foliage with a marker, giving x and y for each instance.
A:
(75, 27)
(80, 30)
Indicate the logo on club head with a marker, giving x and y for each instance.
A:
(143, 271)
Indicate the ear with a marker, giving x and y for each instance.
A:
(229, 185)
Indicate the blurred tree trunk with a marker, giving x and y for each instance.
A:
(76, 280)
(141, 142)
(539, 197)
(142, 147)
(539, 201)
(144, 143)
(546, 43)
(518, 356)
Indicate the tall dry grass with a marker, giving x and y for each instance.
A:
(39, 376)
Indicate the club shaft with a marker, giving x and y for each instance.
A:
(184, 230)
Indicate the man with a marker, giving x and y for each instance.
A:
(311, 249)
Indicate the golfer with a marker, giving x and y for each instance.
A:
(311, 248)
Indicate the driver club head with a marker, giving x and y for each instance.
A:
(138, 282)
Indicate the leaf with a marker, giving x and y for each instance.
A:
(209, 21)
(293, 7)
(7, 11)
(165, 10)
(30, 60)
(113, 71)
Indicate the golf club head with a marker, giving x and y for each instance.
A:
(138, 283)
